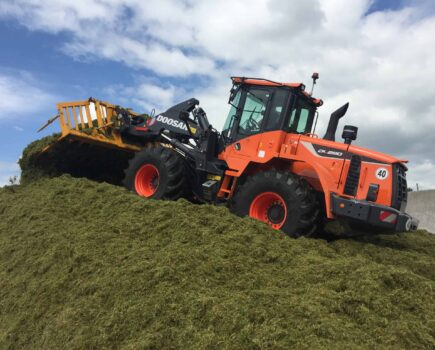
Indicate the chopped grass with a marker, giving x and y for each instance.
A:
(90, 265)
(35, 165)
(72, 157)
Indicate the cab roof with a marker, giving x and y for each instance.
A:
(266, 82)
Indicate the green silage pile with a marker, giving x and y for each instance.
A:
(48, 157)
(90, 265)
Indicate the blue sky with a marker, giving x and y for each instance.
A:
(153, 54)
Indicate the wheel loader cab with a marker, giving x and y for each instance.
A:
(259, 108)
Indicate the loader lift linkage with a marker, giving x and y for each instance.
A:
(267, 161)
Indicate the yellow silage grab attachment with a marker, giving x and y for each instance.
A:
(91, 121)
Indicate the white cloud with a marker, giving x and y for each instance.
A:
(137, 54)
(382, 63)
(8, 170)
(422, 174)
(146, 95)
(19, 94)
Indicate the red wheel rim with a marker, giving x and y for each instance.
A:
(146, 180)
(270, 208)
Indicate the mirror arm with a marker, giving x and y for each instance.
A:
(315, 122)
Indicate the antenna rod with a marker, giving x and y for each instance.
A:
(315, 76)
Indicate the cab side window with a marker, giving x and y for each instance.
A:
(253, 112)
(301, 118)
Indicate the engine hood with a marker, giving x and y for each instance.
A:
(333, 149)
(378, 157)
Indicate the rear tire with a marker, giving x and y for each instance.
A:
(281, 199)
(156, 172)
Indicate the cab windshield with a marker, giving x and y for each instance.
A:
(231, 115)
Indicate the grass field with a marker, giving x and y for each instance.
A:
(89, 265)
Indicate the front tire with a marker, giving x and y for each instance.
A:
(156, 172)
(282, 200)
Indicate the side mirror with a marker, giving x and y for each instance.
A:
(233, 93)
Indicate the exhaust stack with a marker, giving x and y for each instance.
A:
(333, 122)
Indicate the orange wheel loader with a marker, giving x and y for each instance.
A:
(266, 163)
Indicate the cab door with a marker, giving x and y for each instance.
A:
(250, 121)
(254, 127)
(248, 125)
(260, 131)
(273, 133)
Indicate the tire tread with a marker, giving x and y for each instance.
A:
(308, 211)
(172, 162)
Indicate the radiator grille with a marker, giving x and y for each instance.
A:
(353, 174)
(400, 187)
